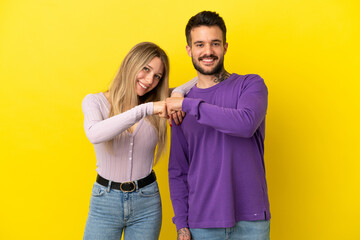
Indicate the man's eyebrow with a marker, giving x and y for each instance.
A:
(214, 40)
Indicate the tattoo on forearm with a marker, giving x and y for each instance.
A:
(223, 75)
(183, 234)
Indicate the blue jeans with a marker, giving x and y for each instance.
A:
(112, 211)
(243, 230)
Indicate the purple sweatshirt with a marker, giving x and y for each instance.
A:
(216, 166)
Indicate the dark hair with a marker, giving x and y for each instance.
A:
(205, 18)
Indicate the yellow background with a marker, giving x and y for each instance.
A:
(53, 53)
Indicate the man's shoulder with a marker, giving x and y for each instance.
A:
(241, 81)
(246, 77)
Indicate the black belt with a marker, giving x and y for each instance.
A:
(127, 186)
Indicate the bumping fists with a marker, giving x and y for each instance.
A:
(174, 104)
(170, 109)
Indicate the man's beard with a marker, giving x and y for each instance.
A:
(216, 70)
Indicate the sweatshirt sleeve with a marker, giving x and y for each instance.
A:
(241, 121)
(98, 129)
(186, 87)
(178, 172)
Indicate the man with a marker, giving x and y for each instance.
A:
(216, 168)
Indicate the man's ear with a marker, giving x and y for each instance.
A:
(188, 49)
(225, 48)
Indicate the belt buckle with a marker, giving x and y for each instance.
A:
(125, 184)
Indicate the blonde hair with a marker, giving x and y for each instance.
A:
(122, 90)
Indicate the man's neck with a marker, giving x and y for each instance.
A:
(206, 81)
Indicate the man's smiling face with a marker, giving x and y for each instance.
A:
(207, 49)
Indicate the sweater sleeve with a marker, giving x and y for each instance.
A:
(99, 130)
(178, 172)
(241, 121)
(186, 87)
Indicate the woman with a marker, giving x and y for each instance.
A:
(125, 127)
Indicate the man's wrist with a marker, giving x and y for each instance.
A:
(184, 234)
(181, 222)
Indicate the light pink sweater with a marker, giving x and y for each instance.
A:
(133, 153)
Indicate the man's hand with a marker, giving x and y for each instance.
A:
(184, 234)
(160, 109)
(174, 105)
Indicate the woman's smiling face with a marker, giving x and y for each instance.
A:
(149, 77)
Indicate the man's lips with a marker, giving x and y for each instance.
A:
(208, 59)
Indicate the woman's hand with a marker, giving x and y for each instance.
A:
(177, 117)
(160, 109)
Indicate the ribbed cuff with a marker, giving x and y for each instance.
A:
(150, 108)
(180, 222)
(181, 91)
(191, 106)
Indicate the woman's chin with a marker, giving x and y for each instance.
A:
(140, 92)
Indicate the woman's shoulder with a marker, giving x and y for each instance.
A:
(93, 98)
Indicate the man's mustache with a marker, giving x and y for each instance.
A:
(208, 56)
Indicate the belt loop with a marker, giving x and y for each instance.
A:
(136, 185)
(109, 186)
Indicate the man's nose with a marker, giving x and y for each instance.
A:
(208, 49)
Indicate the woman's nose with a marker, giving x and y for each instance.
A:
(149, 78)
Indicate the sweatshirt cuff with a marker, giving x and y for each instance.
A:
(191, 106)
(180, 222)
